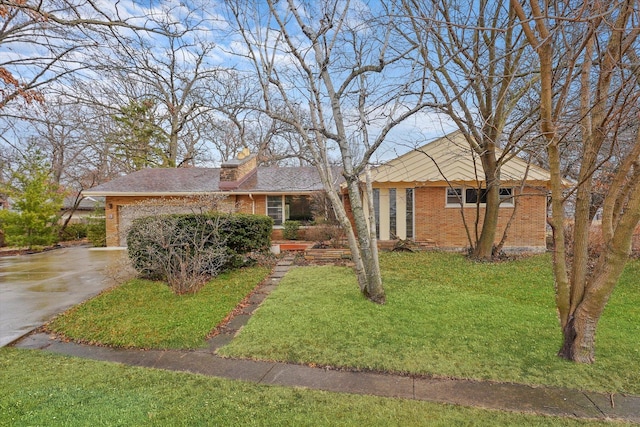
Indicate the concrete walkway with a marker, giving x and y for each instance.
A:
(484, 394)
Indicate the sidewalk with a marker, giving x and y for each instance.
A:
(484, 394)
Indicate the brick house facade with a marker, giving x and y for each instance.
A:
(428, 194)
(421, 196)
(239, 186)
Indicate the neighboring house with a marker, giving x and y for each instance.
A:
(420, 196)
(423, 195)
(80, 213)
(283, 193)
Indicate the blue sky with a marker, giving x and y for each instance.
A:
(212, 25)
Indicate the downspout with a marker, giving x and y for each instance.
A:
(253, 204)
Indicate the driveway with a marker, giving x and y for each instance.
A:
(34, 288)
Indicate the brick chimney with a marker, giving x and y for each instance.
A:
(235, 172)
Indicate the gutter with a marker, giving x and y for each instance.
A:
(195, 193)
(253, 204)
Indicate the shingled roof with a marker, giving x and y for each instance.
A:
(188, 181)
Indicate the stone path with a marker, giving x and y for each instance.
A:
(484, 394)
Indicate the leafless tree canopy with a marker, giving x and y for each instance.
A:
(481, 74)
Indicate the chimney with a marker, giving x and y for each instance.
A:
(235, 172)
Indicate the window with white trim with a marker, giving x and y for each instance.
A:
(454, 196)
(470, 196)
(376, 210)
(274, 209)
(409, 212)
(291, 207)
(506, 196)
(392, 212)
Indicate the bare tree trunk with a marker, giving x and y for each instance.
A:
(345, 223)
(580, 331)
(582, 296)
(377, 289)
(372, 288)
(484, 247)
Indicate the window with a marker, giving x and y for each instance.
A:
(454, 196)
(392, 212)
(506, 197)
(409, 213)
(472, 196)
(294, 208)
(298, 208)
(376, 210)
(274, 209)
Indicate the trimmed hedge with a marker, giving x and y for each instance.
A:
(291, 229)
(238, 234)
(247, 233)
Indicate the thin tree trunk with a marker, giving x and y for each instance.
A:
(372, 288)
(343, 219)
(484, 246)
(372, 233)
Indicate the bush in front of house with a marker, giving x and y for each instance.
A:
(247, 233)
(291, 229)
(325, 235)
(75, 231)
(97, 231)
(186, 250)
(28, 229)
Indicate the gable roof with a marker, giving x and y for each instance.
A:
(85, 204)
(189, 181)
(451, 157)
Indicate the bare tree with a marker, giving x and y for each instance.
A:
(339, 74)
(479, 69)
(43, 41)
(237, 124)
(585, 48)
(173, 69)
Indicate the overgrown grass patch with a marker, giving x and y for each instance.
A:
(146, 314)
(46, 389)
(444, 316)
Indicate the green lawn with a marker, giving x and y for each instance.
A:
(51, 390)
(444, 316)
(146, 314)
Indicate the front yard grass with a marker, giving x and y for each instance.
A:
(445, 316)
(146, 314)
(52, 390)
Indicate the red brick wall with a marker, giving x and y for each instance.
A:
(445, 227)
(258, 205)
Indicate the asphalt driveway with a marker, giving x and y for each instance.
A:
(34, 288)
